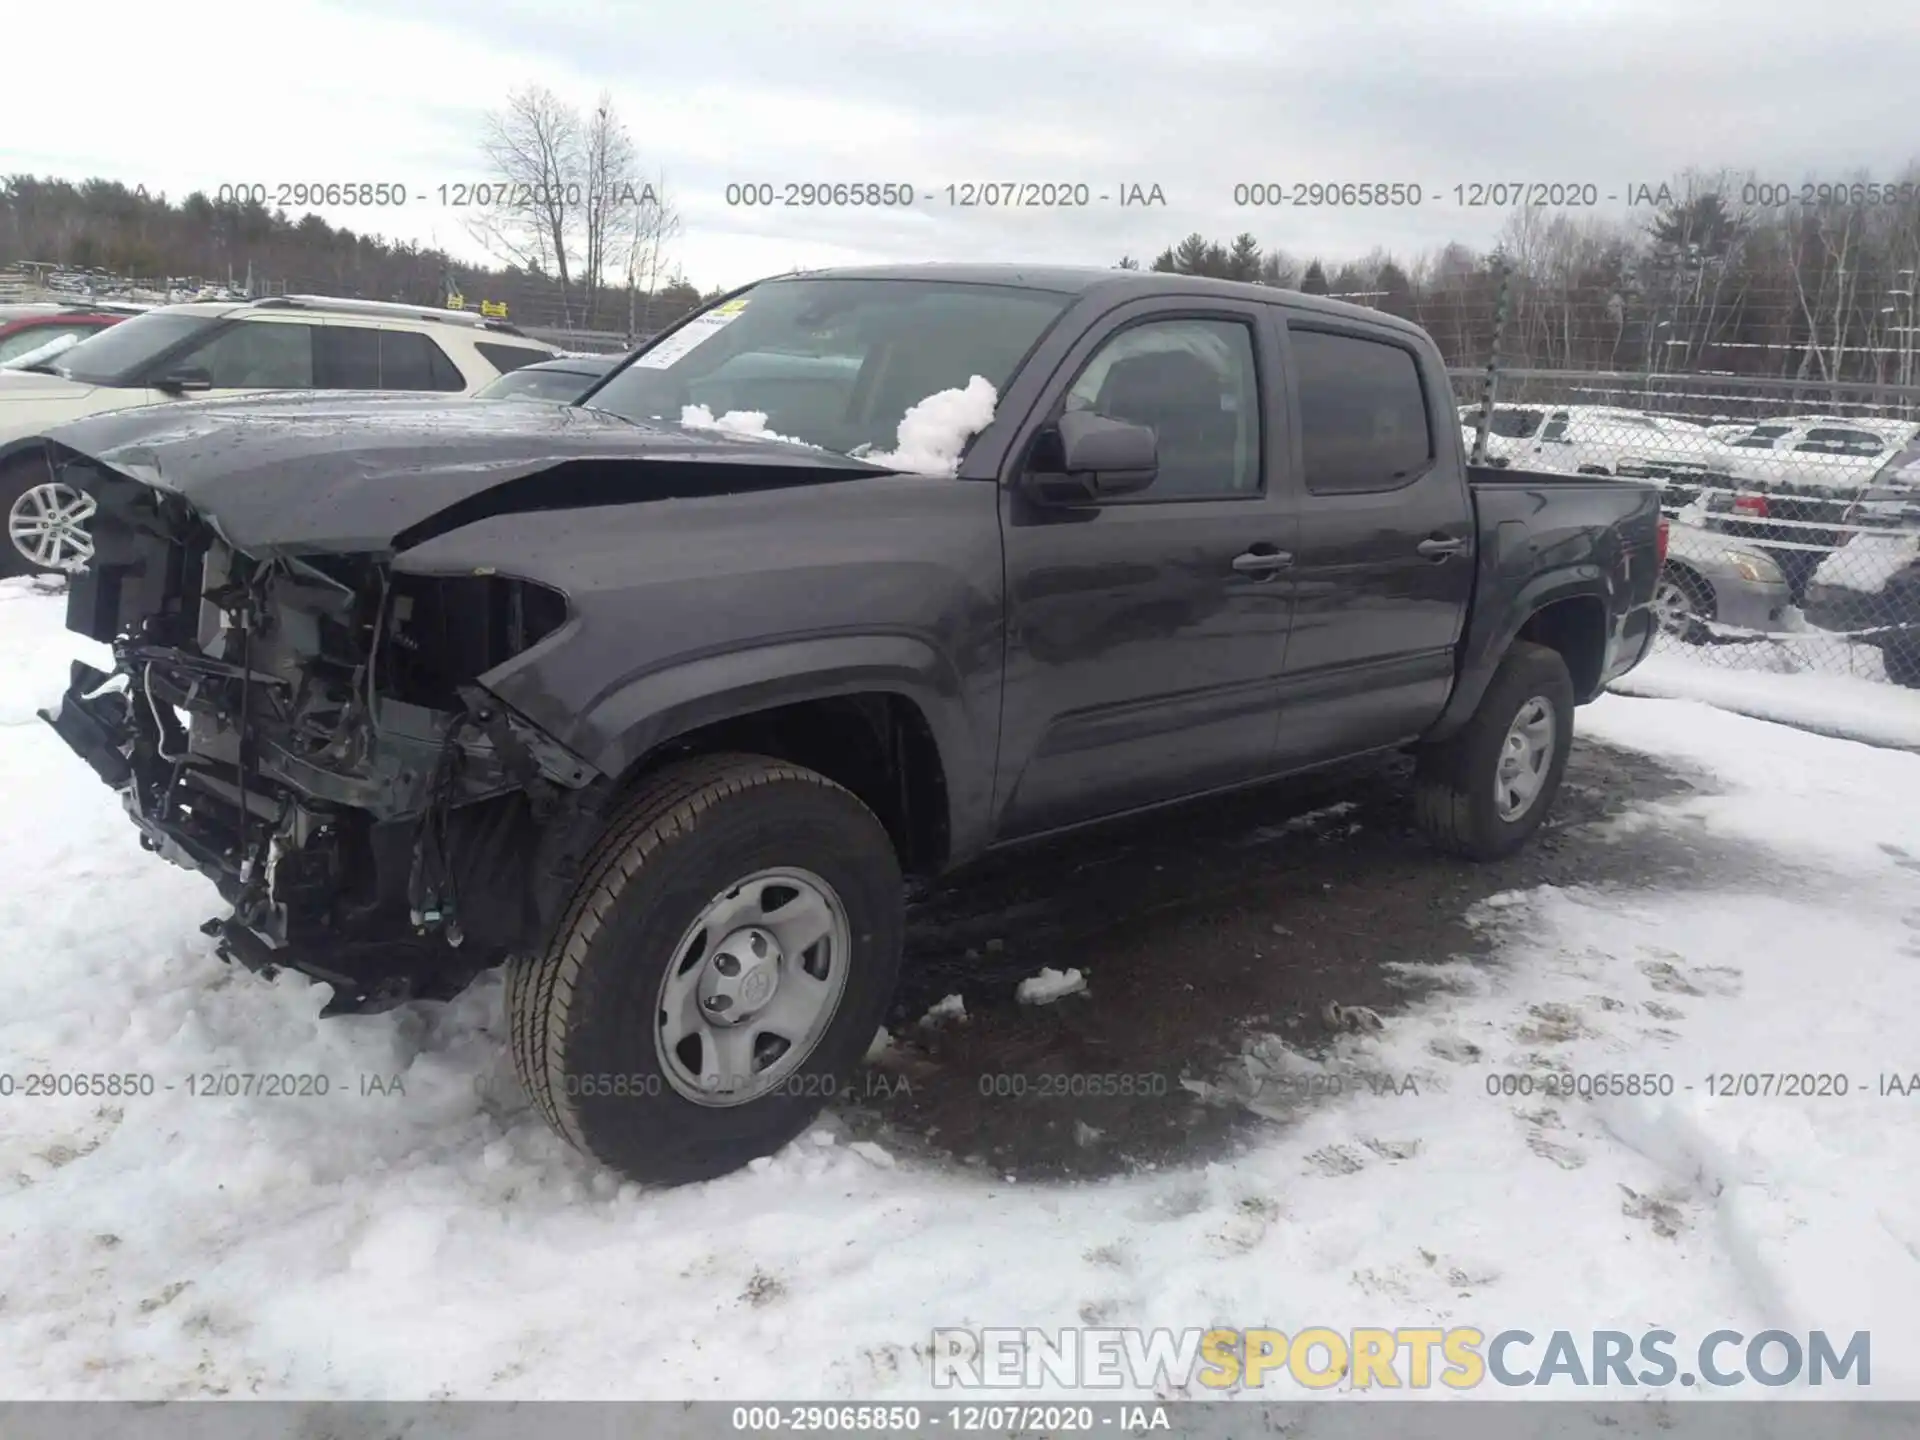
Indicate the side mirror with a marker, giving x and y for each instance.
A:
(1093, 458)
(181, 382)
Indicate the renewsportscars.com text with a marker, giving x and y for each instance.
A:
(1414, 1358)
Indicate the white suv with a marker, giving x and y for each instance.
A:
(1608, 440)
(1822, 450)
(217, 349)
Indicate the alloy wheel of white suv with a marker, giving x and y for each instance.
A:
(47, 525)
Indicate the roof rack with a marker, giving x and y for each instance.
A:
(393, 309)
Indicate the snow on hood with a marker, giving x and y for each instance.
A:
(931, 435)
(751, 423)
(934, 432)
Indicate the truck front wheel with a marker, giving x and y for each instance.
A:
(1483, 791)
(723, 967)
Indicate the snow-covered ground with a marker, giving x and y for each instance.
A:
(1850, 706)
(417, 1233)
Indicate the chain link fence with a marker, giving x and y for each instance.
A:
(1793, 505)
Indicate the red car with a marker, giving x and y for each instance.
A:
(24, 328)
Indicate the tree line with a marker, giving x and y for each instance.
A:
(107, 226)
(581, 239)
(1821, 287)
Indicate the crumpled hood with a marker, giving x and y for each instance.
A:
(309, 473)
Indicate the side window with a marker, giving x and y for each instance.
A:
(1514, 424)
(255, 355)
(1761, 437)
(1194, 383)
(509, 357)
(446, 375)
(1363, 413)
(407, 363)
(346, 357)
(1832, 440)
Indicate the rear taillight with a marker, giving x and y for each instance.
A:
(1660, 544)
(1750, 504)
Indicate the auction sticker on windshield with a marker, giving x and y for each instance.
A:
(694, 333)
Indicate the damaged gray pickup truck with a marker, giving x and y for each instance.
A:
(656, 698)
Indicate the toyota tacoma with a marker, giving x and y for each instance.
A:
(659, 697)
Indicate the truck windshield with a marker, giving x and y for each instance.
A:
(120, 353)
(834, 363)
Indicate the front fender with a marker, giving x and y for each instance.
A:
(21, 447)
(644, 711)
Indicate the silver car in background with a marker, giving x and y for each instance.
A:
(1709, 578)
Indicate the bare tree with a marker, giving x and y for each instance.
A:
(611, 208)
(535, 151)
(650, 221)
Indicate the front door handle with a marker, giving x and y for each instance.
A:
(1441, 547)
(1262, 560)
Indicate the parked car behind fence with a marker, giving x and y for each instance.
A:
(1820, 498)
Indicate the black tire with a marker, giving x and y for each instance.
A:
(1699, 597)
(584, 1017)
(1454, 787)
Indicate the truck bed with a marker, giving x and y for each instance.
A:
(1534, 528)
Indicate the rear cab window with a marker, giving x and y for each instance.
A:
(1364, 420)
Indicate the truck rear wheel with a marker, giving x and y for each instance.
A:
(723, 967)
(1482, 792)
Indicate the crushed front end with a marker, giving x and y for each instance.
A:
(315, 735)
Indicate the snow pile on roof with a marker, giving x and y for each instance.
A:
(934, 432)
(751, 423)
(40, 354)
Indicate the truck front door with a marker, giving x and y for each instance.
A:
(1146, 633)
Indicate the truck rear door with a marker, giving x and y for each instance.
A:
(1384, 560)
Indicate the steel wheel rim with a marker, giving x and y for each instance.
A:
(752, 987)
(1673, 607)
(1525, 757)
(47, 526)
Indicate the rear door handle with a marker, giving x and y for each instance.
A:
(1262, 560)
(1441, 547)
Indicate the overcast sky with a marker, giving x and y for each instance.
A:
(1194, 97)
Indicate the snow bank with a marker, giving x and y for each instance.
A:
(1876, 712)
(934, 432)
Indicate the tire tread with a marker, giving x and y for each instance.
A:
(541, 987)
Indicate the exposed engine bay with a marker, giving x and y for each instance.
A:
(316, 736)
